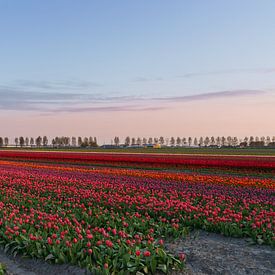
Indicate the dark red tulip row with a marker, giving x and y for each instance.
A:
(150, 159)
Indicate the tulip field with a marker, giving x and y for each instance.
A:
(114, 213)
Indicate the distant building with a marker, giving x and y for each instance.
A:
(157, 146)
(135, 146)
(108, 146)
(148, 145)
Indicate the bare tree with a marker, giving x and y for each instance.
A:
(58, 142)
(31, 141)
(184, 141)
(235, 141)
(127, 141)
(53, 142)
(150, 140)
(85, 142)
(178, 141)
(189, 141)
(195, 141)
(251, 139)
(38, 141)
(74, 141)
(21, 141)
(116, 140)
(16, 140)
(66, 141)
(218, 141)
(139, 141)
(133, 142)
(144, 141)
(91, 141)
(212, 141)
(79, 141)
(206, 141)
(223, 140)
(27, 141)
(201, 141)
(268, 140)
(45, 141)
(6, 141)
(229, 140)
(161, 140)
(172, 141)
(263, 140)
(95, 142)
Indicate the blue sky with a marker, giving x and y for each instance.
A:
(121, 54)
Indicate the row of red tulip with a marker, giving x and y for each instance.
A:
(216, 161)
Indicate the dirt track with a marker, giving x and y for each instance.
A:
(209, 253)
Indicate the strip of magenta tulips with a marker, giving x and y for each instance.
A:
(170, 160)
(114, 220)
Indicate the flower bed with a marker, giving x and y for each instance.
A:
(116, 220)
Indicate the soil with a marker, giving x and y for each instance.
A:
(210, 253)
(25, 266)
(206, 253)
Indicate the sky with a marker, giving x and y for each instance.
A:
(139, 68)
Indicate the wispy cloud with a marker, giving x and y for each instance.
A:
(213, 95)
(72, 101)
(270, 70)
(24, 99)
(55, 85)
(224, 72)
(47, 101)
(123, 108)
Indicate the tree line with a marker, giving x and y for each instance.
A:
(55, 142)
(212, 141)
